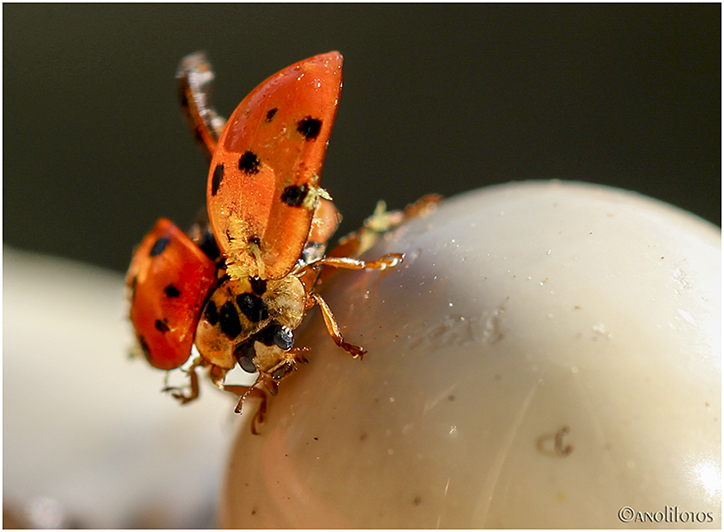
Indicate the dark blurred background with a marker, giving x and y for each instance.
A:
(437, 98)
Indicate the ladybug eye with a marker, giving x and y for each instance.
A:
(284, 338)
(247, 364)
(245, 354)
(275, 334)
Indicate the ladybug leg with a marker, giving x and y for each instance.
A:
(422, 207)
(333, 328)
(196, 78)
(178, 394)
(386, 261)
(382, 221)
(245, 391)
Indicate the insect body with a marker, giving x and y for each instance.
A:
(240, 283)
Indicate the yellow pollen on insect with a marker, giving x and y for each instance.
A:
(379, 221)
(238, 263)
(235, 270)
(312, 198)
(256, 253)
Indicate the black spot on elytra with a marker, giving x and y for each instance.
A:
(171, 291)
(249, 163)
(294, 195)
(255, 240)
(271, 113)
(159, 246)
(257, 285)
(309, 127)
(229, 320)
(216, 179)
(162, 326)
(144, 347)
(252, 306)
(211, 313)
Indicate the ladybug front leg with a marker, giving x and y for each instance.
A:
(245, 391)
(387, 261)
(196, 77)
(333, 328)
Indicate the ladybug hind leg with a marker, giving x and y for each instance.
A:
(196, 76)
(178, 394)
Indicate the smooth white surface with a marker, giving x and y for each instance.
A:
(88, 439)
(521, 312)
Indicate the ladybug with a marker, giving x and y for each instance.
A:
(238, 285)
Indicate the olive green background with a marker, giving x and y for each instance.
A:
(437, 98)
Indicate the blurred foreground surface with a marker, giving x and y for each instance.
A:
(88, 439)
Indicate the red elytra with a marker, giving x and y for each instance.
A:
(263, 184)
(300, 94)
(169, 278)
(238, 290)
